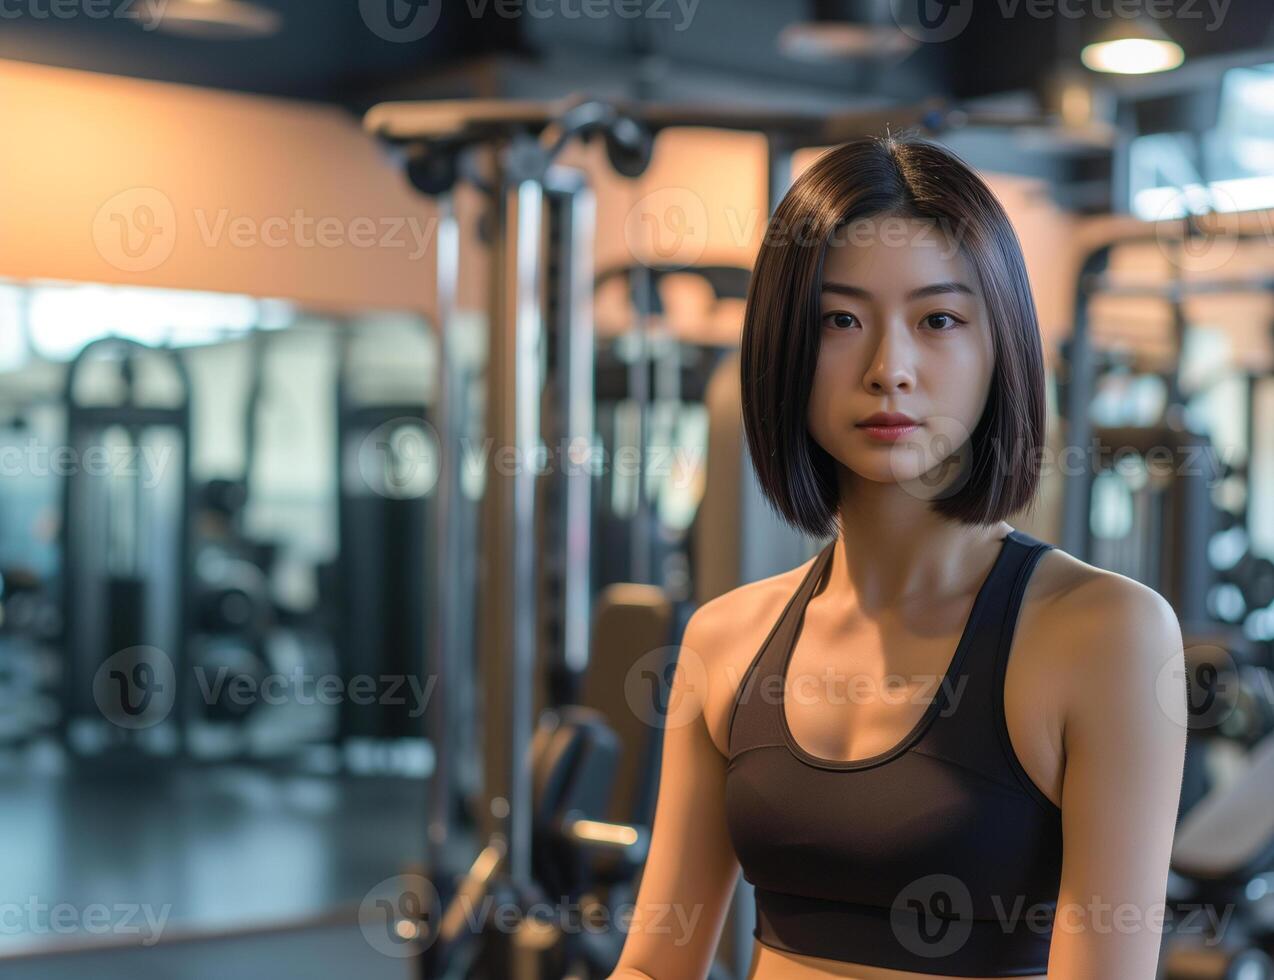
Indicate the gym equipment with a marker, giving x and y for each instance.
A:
(525, 187)
(231, 619)
(625, 683)
(573, 755)
(1224, 853)
(646, 385)
(30, 624)
(385, 475)
(1253, 576)
(30, 604)
(1082, 362)
(593, 779)
(260, 644)
(126, 546)
(455, 776)
(1152, 521)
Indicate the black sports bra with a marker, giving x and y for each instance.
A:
(939, 855)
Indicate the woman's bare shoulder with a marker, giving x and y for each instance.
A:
(1071, 595)
(1081, 624)
(725, 634)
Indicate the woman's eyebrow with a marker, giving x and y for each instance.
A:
(930, 290)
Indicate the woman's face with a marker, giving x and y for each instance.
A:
(903, 329)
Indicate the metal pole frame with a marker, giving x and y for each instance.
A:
(1080, 361)
(448, 414)
(577, 206)
(514, 384)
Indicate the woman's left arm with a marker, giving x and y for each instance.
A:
(1124, 735)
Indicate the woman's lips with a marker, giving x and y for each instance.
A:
(889, 433)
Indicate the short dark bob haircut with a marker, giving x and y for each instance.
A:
(906, 177)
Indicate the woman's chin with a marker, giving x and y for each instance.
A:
(874, 471)
(903, 470)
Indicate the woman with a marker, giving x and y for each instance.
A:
(940, 748)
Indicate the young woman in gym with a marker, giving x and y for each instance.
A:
(941, 747)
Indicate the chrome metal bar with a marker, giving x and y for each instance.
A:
(526, 209)
(579, 413)
(447, 419)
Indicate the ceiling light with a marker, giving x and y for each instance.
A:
(838, 41)
(217, 20)
(845, 30)
(1132, 46)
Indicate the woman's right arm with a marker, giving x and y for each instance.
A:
(691, 869)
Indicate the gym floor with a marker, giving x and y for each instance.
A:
(258, 873)
(331, 949)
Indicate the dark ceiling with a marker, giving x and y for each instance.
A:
(340, 52)
(331, 50)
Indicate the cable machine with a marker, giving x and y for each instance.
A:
(126, 547)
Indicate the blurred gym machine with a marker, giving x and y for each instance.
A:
(170, 620)
(533, 201)
(29, 665)
(385, 477)
(540, 232)
(30, 603)
(645, 384)
(1153, 501)
(126, 547)
(246, 634)
(233, 616)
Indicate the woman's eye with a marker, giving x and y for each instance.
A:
(839, 319)
(947, 316)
